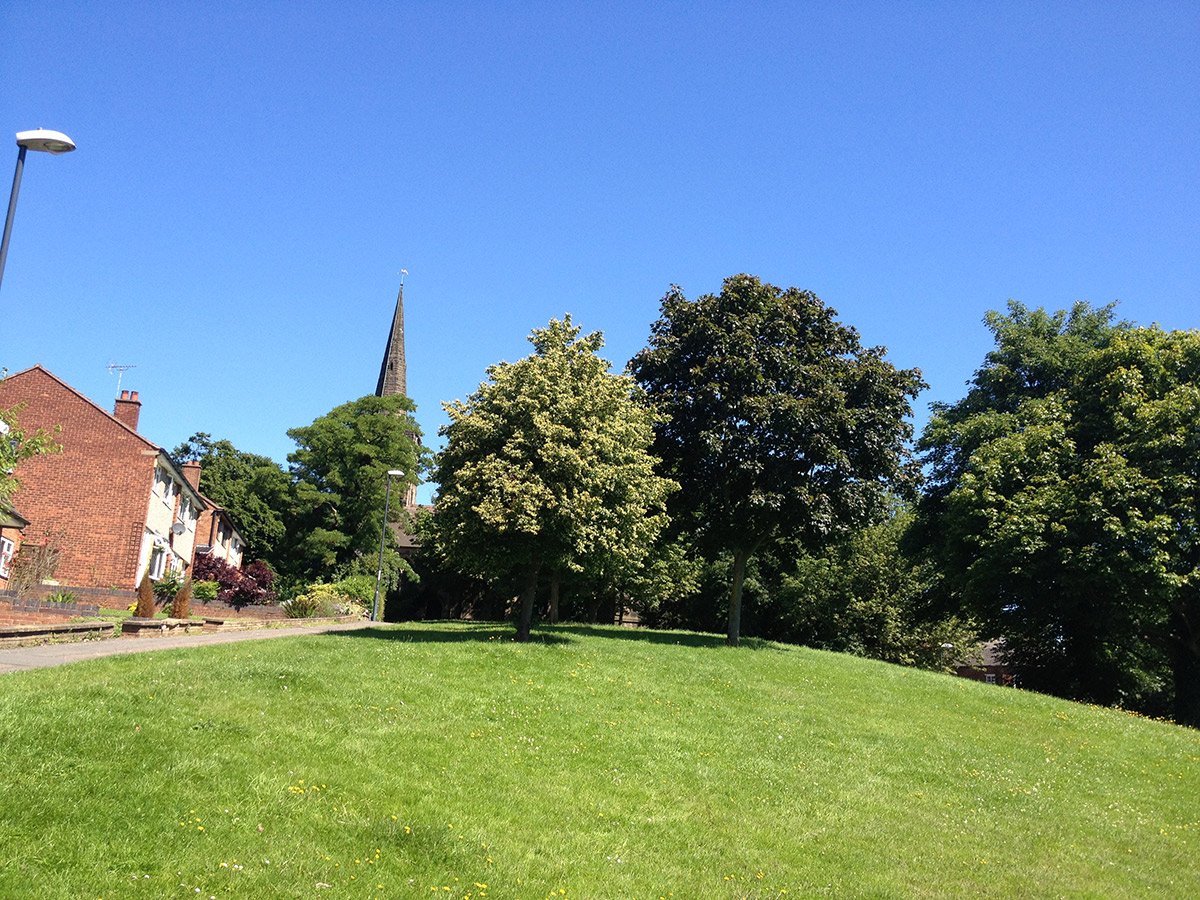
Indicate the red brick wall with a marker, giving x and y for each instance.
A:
(93, 494)
(225, 611)
(21, 617)
(33, 612)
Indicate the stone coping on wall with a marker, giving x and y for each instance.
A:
(135, 626)
(40, 634)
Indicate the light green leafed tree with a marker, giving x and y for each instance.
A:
(776, 422)
(547, 468)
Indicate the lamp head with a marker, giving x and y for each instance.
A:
(45, 140)
(394, 473)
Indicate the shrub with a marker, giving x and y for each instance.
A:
(168, 586)
(181, 606)
(35, 563)
(253, 584)
(323, 600)
(360, 588)
(145, 602)
(205, 591)
(62, 597)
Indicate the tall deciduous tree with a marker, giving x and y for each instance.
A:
(339, 471)
(254, 489)
(1065, 505)
(547, 467)
(776, 421)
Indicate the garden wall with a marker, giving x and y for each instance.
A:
(35, 611)
(109, 598)
(217, 610)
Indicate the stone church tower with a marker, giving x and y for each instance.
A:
(393, 374)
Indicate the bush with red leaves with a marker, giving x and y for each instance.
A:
(248, 586)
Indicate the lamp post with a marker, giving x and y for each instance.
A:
(387, 499)
(39, 139)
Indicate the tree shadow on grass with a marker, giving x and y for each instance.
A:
(454, 632)
(649, 636)
(461, 631)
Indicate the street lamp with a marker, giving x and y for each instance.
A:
(387, 499)
(39, 139)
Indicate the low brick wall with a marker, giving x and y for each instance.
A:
(57, 631)
(225, 611)
(214, 624)
(33, 611)
(135, 627)
(109, 598)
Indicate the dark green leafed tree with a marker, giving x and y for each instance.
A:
(339, 471)
(776, 422)
(1063, 504)
(255, 489)
(547, 468)
(863, 595)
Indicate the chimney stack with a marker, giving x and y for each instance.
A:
(191, 471)
(127, 408)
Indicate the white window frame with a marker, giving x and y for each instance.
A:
(158, 562)
(6, 554)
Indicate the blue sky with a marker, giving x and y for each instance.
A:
(251, 178)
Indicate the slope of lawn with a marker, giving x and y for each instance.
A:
(446, 760)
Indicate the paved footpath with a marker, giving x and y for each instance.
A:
(17, 659)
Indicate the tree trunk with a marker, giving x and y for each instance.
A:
(528, 595)
(1187, 675)
(735, 598)
(554, 583)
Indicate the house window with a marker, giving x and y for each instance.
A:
(158, 563)
(990, 678)
(6, 555)
(165, 486)
(185, 511)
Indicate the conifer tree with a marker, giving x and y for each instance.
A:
(146, 605)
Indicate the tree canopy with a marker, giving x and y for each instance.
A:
(339, 477)
(1065, 505)
(253, 488)
(775, 420)
(547, 467)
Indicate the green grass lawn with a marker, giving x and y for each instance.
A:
(446, 761)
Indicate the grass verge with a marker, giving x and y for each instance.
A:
(443, 759)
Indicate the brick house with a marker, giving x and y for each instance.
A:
(987, 664)
(216, 535)
(113, 502)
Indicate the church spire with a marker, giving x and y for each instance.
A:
(393, 373)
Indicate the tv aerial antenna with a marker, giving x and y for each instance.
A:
(120, 370)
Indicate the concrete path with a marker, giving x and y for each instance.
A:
(17, 659)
